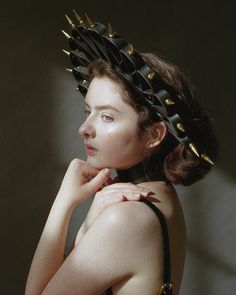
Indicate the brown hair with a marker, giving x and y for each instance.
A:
(176, 163)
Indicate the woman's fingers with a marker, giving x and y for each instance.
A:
(106, 183)
(130, 185)
(110, 197)
(96, 182)
(125, 189)
(109, 181)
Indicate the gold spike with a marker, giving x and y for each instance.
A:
(89, 21)
(151, 75)
(111, 33)
(207, 159)
(193, 149)
(70, 21)
(66, 52)
(78, 17)
(66, 34)
(131, 49)
(169, 102)
(180, 127)
(69, 70)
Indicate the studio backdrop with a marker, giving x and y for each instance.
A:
(41, 112)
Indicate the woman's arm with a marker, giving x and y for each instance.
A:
(75, 188)
(50, 250)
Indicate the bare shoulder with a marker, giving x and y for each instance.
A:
(136, 215)
(130, 219)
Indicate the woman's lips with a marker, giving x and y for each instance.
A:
(90, 150)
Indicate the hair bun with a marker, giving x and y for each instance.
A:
(182, 167)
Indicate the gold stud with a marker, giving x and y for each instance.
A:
(131, 49)
(193, 149)
(111, 33)
(165, 288)
(78, 17)
(70, 21)
(207, 159)
(66, 52)
(151, 76)
(69, 70)
(66, 34)
(180, 127)
(84, 82)
(169, 102)
(89, 21)
(77, 89)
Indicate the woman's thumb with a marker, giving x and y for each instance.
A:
(96, 182)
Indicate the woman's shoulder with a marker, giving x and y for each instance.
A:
(136, 213)
(129, 219)
(165, 198)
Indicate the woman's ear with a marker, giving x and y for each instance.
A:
(158, 133)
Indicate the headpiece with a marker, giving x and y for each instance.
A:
(91, 40)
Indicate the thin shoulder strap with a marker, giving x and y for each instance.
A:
(167, 286)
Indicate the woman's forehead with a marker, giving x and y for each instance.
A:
(103, 90)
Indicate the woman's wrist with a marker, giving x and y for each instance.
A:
(62, 208)
(67, 200)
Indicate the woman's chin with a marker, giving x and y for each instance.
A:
(97, 164)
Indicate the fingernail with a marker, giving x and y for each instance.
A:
(151, 193)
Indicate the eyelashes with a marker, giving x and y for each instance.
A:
(103, 116)
(107, 118)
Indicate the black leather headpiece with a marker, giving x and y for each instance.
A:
(92, 40)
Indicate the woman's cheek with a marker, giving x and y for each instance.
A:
(118, 137)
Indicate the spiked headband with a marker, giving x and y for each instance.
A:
(91, 40)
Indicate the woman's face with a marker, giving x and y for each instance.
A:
(111, 127)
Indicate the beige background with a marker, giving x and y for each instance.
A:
(40, 115)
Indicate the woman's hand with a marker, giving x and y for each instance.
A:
(81, 181)
(114, 193)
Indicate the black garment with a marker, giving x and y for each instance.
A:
(136, 175)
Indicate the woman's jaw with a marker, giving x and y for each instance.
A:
(94, 160)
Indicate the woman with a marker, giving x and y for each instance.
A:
(123, 246)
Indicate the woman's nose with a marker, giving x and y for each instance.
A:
(86, 130)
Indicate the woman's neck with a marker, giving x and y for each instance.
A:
(136, 174)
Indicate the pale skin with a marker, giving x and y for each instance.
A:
(120, 242)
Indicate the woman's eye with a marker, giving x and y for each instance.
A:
(107, 118)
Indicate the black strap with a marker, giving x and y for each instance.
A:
(166, 288)
(165, 236)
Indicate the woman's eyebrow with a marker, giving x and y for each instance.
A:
(103, 107)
